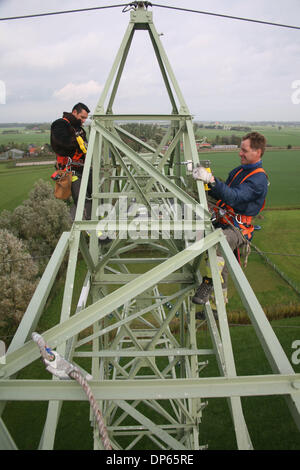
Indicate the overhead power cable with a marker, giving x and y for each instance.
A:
(63, 12)
(135, 5)
(270, 23)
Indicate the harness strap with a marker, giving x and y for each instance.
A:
(257, 170)
(243, 222)
(234, 176)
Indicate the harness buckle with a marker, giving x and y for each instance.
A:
(238, 218)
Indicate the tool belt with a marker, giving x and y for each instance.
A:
(75, 162)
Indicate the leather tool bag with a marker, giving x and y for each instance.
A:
(62, 188)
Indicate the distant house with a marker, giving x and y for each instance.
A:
(203, 145)
(33, 151)
(12, 154)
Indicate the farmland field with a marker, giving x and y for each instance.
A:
(282, 229)
(17, 182)
(284, 190)
(287, 135)
(282, 167)
(24, 136)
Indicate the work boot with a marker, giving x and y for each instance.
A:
(203, 292)
(200, 316)
(104, 240)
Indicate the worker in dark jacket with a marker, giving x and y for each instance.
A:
(239, 199)
(69, 142)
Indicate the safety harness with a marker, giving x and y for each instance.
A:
(77, 159)
(226, 215)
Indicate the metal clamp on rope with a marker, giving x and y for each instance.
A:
(55, 364)
(130, 6)
(135, 5)
(59, 367)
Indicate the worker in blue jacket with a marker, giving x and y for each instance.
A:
(239, 199)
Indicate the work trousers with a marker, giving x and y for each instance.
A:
(235, 240)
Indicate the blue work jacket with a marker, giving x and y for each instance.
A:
(245, 198)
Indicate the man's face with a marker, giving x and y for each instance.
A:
(82, 115)
(247, 154)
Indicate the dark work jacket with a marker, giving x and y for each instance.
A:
(246, 198)
(63, 135)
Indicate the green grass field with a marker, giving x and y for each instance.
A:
(287, 135)
(280, 234)
(25, 136)
(17, 182)
(284, 189)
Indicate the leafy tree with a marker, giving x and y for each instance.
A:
(18, 279)
(39, 221)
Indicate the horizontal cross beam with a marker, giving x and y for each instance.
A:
(156, 389)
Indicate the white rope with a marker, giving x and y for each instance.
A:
(76, 375)
(63, 369)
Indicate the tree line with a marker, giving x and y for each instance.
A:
(152, 134)
(28, 236)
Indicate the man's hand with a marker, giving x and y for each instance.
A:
(200, 173)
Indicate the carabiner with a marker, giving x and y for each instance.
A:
(238, 218)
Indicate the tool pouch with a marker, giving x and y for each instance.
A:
(62, 188)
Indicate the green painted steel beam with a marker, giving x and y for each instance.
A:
(147, 224)
(132, 194)
(40, 296)
(131, 179)
(160, 52)
(142, 117)
(154, 428)
(154, 353)
(6, 441)
(115, 66)
(152, 171)
(133, 316)
(269, 341)
(121, 278)
(136, 139)
(155, 389)
(95, 312)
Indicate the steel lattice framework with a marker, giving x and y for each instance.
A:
(146, 378)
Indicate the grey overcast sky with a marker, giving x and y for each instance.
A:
(226, 69)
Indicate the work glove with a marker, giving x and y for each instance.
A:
(201, 173)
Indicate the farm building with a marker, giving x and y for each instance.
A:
(225, 147)
(12, 154)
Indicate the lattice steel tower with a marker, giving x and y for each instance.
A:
(146, 378)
